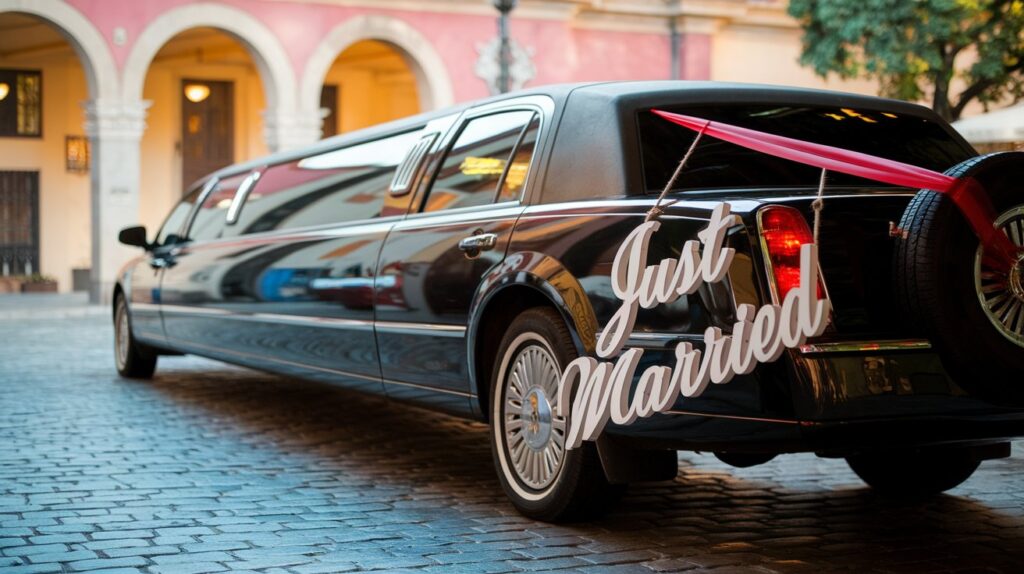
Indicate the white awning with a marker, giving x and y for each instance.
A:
(1005, 125)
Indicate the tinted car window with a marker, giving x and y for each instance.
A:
(168, 233)
(515, 175)
(209, 220)
(718, 164)
(477, 160)
(338, 186)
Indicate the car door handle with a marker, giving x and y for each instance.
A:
(474, 244)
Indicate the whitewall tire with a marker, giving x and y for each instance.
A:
(542, 479)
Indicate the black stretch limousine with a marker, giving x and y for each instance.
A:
(461, 259)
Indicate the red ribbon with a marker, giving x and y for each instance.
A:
(967, 194)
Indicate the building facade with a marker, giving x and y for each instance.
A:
(112, 107)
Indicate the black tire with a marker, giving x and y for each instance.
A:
(577, 489)
(915, 474)
(132, 359)
(934, 275)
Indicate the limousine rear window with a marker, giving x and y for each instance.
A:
(716, 164)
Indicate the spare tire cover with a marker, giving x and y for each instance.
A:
(972, 312)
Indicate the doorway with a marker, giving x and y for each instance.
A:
(207, 128)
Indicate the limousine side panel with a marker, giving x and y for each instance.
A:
(300, 302)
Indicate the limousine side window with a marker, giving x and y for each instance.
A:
(477, 161)
(515, 176)
(168, 234)
(338, 186)
(209, 220)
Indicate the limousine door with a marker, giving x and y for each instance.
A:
(434, 260)
(287, 284)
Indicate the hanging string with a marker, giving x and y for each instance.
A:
(658, 209)
(818, 204)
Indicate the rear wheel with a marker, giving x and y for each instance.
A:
(542, 478)
(953, 293)
(914, 473)
(132, 360)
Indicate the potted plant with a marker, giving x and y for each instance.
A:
(39, 283)
(10, 284)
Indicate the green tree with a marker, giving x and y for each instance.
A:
(917, 47)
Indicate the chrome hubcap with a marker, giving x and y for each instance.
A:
(534, 435)
(121, 335)
(1001, 291)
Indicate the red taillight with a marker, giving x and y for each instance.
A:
(783, 231)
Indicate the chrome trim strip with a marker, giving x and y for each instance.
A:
(434, 389)
(734, 417)
(194, 310)
(866, 346)
(435, 329)
(328, 322)
(240, 196)
(659, 341)
(189, 345)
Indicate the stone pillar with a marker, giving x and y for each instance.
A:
(284, 130)
(115, 129)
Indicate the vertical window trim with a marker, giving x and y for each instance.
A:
(241, 195)
(208, 188)
(423, 194)
(515, 151)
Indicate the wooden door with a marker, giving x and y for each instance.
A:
(207, 128)
(19, 222)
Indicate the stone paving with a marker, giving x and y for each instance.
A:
(210, 468)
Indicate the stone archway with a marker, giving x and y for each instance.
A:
(433, 81)
(88, 43)
(270, 57)
(106, 119)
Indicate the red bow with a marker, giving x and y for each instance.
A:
(966, 193)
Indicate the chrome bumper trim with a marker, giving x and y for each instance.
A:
(866, 346)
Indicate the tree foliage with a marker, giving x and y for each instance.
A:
(917, 47)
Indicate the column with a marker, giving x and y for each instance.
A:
(286, 129)
(115, 129)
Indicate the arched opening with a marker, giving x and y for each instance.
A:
(370, 82)
(388, 37)
(207, 102)
(45, 187)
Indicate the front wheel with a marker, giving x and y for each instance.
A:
(132, 360)
(914, 473)
(543, 479)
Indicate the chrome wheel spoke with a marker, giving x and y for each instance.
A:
(1000, 288)
(534, 436)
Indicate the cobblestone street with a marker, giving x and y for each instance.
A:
(211, 468)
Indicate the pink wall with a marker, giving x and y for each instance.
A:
(561, 53)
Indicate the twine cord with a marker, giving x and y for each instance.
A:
(818, 204)
(657, 210)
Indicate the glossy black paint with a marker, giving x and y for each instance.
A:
(392, 305)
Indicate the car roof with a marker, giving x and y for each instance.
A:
(603, 105)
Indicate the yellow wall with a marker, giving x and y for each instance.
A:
(160, 182)
(64, 198)
(771, 56)
(370, 97)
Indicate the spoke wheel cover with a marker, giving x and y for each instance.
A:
(1001, 293)
(121, 336)
(534, 436)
